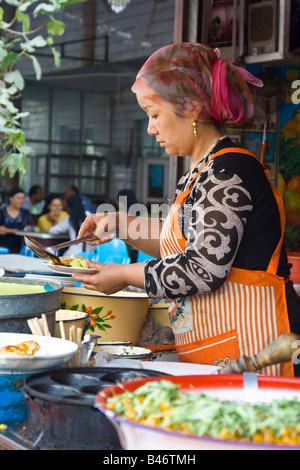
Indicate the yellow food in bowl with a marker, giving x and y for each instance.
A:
(74, 262)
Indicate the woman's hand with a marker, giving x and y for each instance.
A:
(98, 224)
(112, 277)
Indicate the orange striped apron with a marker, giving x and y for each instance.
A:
(242, 317)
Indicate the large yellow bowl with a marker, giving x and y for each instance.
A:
(116, 317)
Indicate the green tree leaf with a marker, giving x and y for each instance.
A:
(56, 27)
(31, 45)
(68, 3)
(3, 54)
(13, 142)
(13, 163)
(15, 78)
(43, 8)
(8, 59)
(37, 67)
(23, 18)
(56, 56)
(14, 3)
(23, 7)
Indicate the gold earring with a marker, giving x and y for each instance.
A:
(195, 130)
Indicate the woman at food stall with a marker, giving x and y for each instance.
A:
(12, 218)
(220, 254)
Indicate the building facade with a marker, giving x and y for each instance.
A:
(85, 125)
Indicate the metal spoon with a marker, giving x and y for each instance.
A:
(47, 252)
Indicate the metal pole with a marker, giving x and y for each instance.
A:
(173, 159)
(185, 29)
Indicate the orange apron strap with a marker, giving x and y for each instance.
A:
(184, 194)
(273, 265)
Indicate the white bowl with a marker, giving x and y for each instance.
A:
(52, 353)
(128, 352)
(114, 343)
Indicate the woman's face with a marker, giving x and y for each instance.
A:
(55, 206)
(173, 132)
(17, 200)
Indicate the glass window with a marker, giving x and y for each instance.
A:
(102, 168)
(90, 148)
(93, 166)
(101, 188)
(58, 184)
(92, 187)
(89, 167)
(64, 162)
(36, 171)
(96, 118)
(77, 155)
(88, 186)
(35, 100)
(66, 115)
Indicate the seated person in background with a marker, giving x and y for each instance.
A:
(34, 201)
(12, 218)
(53, 213)
(71, 224)
(87, 203)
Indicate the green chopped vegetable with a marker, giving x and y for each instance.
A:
(164, 405)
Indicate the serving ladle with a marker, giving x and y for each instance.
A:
(49, 252)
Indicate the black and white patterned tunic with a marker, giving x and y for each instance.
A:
(230, 219)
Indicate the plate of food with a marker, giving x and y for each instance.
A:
(72, 265)
(25, 353)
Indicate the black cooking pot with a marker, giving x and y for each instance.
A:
(61, 412)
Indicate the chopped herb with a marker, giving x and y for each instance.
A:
(162, 404)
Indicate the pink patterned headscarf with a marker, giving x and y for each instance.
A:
(192, 77)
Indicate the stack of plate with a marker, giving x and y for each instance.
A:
(65, 280)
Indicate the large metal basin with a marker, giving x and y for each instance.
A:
(15, 310)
